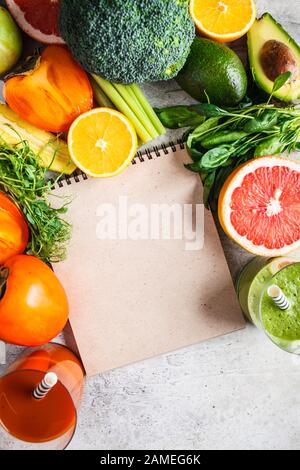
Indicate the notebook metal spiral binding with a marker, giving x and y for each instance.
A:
(140, 157)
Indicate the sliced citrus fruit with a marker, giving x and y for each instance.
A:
(259, 206)
(102, 142)
(225, 20)
(38, 19)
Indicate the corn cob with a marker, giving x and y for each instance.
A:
(52, 152)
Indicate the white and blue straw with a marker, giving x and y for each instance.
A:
(48, 382)
(278, 297)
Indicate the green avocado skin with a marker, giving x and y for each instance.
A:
(215, 70)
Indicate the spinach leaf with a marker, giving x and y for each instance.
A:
(208, 183)
(197, 133)
(270, 146)
(216, 157)
(222, 137)
(176, 117)
(286, 124)
(263, 122)
(195, 154)
(209, 110)
(280, 81)
(195, 166)
(220, 178)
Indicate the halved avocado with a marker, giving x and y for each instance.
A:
(272, 51)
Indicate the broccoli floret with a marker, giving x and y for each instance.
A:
(128, 41)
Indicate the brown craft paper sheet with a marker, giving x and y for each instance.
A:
(131, 300)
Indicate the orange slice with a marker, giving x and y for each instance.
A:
(259, 206)
(102, 142)
(223, 20)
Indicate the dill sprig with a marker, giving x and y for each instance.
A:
(22, 178)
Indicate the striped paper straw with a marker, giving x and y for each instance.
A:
(48, 382)
(278, 297)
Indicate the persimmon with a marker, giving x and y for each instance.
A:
(53, 93)
(33, 303)
(13, 229)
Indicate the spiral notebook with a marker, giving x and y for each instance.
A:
(145, 272)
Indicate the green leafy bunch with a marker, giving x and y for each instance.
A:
(24, 181)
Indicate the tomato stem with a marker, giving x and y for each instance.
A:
(4, 272)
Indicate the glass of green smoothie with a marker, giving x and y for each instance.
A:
(252, 281)
(279, 308)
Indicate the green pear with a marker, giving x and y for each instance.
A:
(10, 42)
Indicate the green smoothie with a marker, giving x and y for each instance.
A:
(253, 279)
(283, 325)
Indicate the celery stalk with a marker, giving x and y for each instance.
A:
(135, 106)
(122, 106)
(137, 103)
(146, 117)
(148, 109)
(100, 96)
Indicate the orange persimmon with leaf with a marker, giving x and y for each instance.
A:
(33, 303)
(53, 93)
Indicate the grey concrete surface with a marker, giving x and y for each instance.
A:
(234, 392)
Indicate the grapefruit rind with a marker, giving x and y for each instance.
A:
(224, 209)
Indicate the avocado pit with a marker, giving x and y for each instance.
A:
(277, 58)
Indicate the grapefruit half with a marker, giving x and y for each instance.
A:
(259, 206)
(38, 19)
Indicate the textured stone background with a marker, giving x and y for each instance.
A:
(235, 392)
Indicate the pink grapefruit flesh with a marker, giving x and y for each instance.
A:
(38, 19)
(259, 206)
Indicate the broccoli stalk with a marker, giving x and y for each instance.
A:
(129, 100)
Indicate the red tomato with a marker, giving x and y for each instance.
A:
(13, 229)
(34, 306)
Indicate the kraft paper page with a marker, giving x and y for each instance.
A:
(132, 299)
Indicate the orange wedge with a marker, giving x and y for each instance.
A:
(102, 142)
(225, 20)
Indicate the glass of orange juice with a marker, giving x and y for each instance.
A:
(39, 397)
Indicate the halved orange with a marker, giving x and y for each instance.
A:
(102, 142)
(223, 20)
(259, 206)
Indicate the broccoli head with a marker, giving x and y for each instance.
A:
(128, 41)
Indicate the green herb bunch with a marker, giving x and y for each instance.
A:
(223, 141)
(229, 137)
(24, 181)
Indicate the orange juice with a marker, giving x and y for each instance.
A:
(34, 420)
(39, 421)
